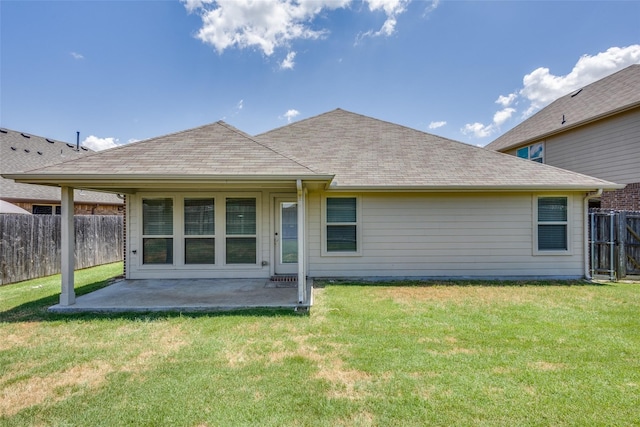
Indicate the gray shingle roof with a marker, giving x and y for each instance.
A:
(20, 152)
(613, 94)
(364, 152)
(214, 149)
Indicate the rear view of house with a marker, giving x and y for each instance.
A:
(594, 130)
(336, 195)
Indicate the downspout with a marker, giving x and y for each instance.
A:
(585, 209)
(302, 285)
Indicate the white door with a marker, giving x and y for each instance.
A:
(286, 236)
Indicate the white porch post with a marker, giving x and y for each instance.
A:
(302, 274)
(68, 294)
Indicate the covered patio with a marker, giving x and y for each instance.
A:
(189, 296)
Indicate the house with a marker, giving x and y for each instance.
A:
(594, 130)
(333, 196)
(20, 151)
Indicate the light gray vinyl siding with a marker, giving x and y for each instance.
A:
(608, 149)
(440, 235)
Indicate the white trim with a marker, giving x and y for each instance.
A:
(567, 224)
(358, 224)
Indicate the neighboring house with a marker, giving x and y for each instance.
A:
(594, 130)
(337, 195)
(21, 152)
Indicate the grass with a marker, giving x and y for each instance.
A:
(562, 354)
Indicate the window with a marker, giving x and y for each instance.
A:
(533, 152)
(199, 231)
(341, 224)
(241, 231)
(45, 210)
(157, 231)
(552, 215)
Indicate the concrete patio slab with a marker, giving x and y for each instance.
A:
(188, 295)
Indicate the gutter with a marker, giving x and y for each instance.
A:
(585, 209)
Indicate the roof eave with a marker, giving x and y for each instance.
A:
(148, 181)
(478, 188)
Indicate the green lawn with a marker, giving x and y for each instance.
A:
(403, 354)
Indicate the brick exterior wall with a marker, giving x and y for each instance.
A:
(80, 209)
(627, 199)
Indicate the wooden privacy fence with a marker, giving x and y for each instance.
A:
(30, 244)
(614, 239)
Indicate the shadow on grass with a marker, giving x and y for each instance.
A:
(36, 310)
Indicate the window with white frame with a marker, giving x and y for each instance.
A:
(341, 225)
(552, 222)
(241, 235)
(199, 231)
(157, 231)
(534, 152)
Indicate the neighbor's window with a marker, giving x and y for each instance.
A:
(157, 231)
(199, 231)
(241, 234)
(553, 224)
(342, 224)
(533, 152)
(45, 210)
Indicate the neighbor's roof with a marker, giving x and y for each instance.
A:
(216, 151)
(608, 96)
(20, 152)
(366, 153)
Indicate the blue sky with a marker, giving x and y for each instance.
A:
(121, 71)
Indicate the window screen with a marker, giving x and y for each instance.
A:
(342, 224)
(552, 224)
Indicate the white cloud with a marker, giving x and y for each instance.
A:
(76, 55)
(478, 130)
(269, 24)
(288, 63)
(540, 87)
(99, 144)
(262, 24)
(503, 115)
(505, 101)
(291, 114)
(436, 125)
(240, 105)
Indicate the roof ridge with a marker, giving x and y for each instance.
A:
(238, 131)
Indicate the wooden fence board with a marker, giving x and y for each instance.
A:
(30, 244)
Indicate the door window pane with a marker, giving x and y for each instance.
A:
(289, 233)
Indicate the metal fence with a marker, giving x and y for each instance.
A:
(30, 244)
(614, 243)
